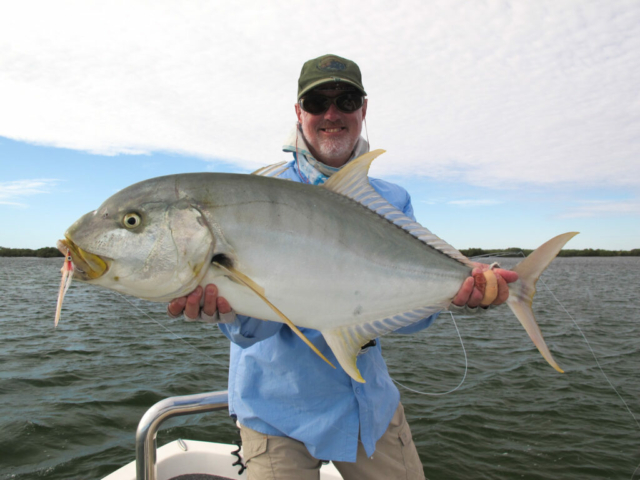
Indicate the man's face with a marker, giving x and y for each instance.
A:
(332, 135)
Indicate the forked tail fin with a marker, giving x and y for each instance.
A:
(521, 293)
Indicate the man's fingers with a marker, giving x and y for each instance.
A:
(476, 294)
(210, 300)
(472, 291)
(475, 298)
(503, 290)
(479, 268)
(464, 293)
(223, 306)
(176, 307)
(509, 276)
(192, 309)
(504, 277)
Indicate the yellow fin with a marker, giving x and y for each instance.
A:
(352, 182)
(242, 279)
(258, 290)
(346, 343)
(521, 293)
(266, 171)
(349, 175)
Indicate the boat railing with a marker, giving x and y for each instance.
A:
(146, 468)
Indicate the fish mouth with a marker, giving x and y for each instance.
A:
(88, 265)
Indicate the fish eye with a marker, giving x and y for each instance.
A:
(131, 220)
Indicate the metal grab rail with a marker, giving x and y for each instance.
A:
(161, 411)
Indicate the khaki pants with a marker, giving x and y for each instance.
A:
(270, 457)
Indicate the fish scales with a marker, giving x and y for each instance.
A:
(314, 257)
(307, 245)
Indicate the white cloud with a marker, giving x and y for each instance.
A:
(488, 93)
(14, 204)
(9, 191)
(603, 209)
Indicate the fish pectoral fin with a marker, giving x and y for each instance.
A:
(346, 343)
(242, 279)
(259, 291)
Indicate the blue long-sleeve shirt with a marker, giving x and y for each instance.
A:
(279, 386)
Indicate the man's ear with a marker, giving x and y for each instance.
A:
(364, 108)
(298, 113)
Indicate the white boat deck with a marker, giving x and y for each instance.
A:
(200, 461)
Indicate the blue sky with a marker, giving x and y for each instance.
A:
(508, 122)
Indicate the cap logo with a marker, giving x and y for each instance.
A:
(330, 65)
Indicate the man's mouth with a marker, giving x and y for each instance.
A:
(333, 129)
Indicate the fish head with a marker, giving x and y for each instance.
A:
(147, 241)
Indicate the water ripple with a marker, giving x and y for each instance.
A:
(72, 397)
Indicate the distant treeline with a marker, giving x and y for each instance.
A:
(587, 252)
(469, 252)
(45, 252)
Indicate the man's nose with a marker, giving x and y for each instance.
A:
(333, 113)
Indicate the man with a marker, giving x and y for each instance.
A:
(294, 415)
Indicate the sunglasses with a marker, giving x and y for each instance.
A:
(315, 104)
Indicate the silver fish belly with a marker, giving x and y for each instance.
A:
(336, 258)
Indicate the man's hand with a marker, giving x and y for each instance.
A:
(190, 305)
(471, 296)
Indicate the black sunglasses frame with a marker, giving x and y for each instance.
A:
(339, 101)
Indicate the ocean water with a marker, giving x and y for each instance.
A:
(71, 397)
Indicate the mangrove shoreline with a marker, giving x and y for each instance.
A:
(48, 252)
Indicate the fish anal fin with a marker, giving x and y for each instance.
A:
(345, 345)
(346, 342)
(259, 291)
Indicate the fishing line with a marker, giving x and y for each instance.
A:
(597, 363)
(590, 349)
(226, 365)
(466, 362)
(572, 320)
(588, 345)
(594, 355)
(466, 368)
(171, 332)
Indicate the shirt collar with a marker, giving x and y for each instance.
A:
(310, 169)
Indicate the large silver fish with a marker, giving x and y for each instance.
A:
(337, 258)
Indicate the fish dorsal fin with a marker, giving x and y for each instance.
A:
(352, 181)
(273, 170)
(259, 291)
(346, 342)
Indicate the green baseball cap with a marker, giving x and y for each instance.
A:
(329, 69)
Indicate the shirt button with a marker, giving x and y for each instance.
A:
(357, 389)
